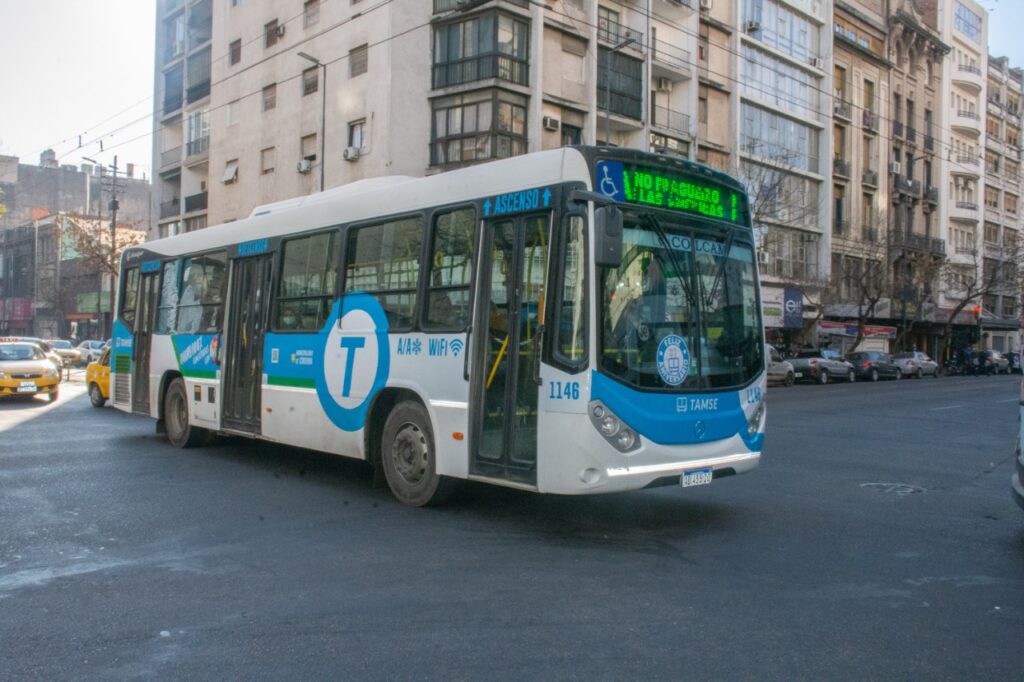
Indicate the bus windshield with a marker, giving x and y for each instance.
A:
(681, 312)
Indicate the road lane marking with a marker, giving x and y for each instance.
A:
(949, 407)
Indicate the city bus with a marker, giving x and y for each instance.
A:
(571, 321)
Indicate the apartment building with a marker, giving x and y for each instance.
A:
(263, 100)
(1001, 244)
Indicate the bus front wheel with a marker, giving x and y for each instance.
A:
(179, 431)
(409, 459)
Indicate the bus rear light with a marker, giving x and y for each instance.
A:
(612, 428)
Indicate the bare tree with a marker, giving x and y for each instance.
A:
(860, 280)
(97, 245)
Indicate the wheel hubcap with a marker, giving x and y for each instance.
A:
(410, 453)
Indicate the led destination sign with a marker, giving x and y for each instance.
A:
(652, 187)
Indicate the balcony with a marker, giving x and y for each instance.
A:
(904, 239)
(669, 61)
(172, 103)
(195, 202)
(904, 185)
(929, 143)
(493, 65)
(170, 157)
(967, 206)
(462, 5)
(870, 121)
(932, 195)
(170, 208)
(911, 135)
(870, 178)
(668, 119)
(967, 120)
(197, 147)
(966, 160)
(842, 108)
(969, 76)
(966, 211)
(613, 33)
(897, 128)
(841, 168)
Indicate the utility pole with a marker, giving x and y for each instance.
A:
(113, 248)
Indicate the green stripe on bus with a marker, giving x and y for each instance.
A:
(199, 374)
(293, 382)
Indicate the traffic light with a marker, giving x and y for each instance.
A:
(977, 312)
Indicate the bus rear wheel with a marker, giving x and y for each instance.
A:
(179, 431)
(408, 456)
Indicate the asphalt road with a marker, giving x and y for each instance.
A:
(878, 540)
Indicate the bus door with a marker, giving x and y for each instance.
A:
(506, 358)
(248, 319)
(145, 321)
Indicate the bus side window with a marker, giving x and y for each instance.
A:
(130, 298)
(201, 304)
(168, 298)
(309, 274)
(451, 265)
(384, 261)
(570, 338)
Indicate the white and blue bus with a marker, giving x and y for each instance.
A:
(572, 321)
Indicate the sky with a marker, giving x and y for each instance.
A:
(75, 70)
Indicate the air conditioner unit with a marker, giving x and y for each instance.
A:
(551, 123)
(279, 31)
(817, 63)
(304, 166)
(895, 168)
(762, 256)
(752, 26)
(350, 154)
(705, 4)
(663, 85)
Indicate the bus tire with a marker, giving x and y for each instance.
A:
(180, 433)
(409, 459)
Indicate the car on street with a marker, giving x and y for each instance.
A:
(1017, 478)
(97, 378)
(68, 354)
(26, 371)
(1015, 359)
(916, 364)
(780, 371)
(874, 365)
(993, 362)
(821, 366)
(90, 350)
(49, 352)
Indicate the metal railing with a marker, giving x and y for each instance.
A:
(843, 108)
(969, 159)
(841, 168)
(170, 208)
(870, 121)
(911, 135)
(170, 156)
(917, 242)
(968, 68)
(663, 117)
(669, 54)
(964, 113)
(870, 177)
(897, 128)
(611, 31)
(929, 143)
(967, 205)
(195, 202)
(493, 65)
(450, 5)
(932, 195)
(199, 146)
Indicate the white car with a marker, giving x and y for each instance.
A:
(779, 370)
(89, 351)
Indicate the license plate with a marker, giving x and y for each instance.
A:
(698, 477)
(27, 387)
(798, 375)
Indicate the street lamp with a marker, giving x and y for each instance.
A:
(323, 114)
(112, 265)
(608, 87)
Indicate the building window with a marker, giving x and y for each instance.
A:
(230, 172)
(571, 134)
(1010, 203)
(967, 22)
(358, 61)
(267, 160)
(779, 139)
(310, 13)
(991, 233)
(310, 80)
(270, 97)
(231, 112)
(307, 147)
(357, 134)
(620, 84)
(235, 52)
(488, 46)
(272, 32)
(662, 144)
(488, 125)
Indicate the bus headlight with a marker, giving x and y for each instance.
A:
(755, 420)
(612, 428)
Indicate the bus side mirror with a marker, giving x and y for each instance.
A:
(608, 236)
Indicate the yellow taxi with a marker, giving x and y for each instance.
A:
(97, 378)
(26, 371)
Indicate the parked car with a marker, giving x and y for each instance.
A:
(26, 371)
(874, 365)
(1017, 479)
(67, 352)
(51, 355)
(916, 364)
(97, 378)
(780, 371)
(90, 351)
(993, 362)
(821, 366)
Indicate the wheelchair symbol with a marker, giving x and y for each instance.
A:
(607, 186)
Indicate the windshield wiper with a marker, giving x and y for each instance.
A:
(720, 270)
(655, 224)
